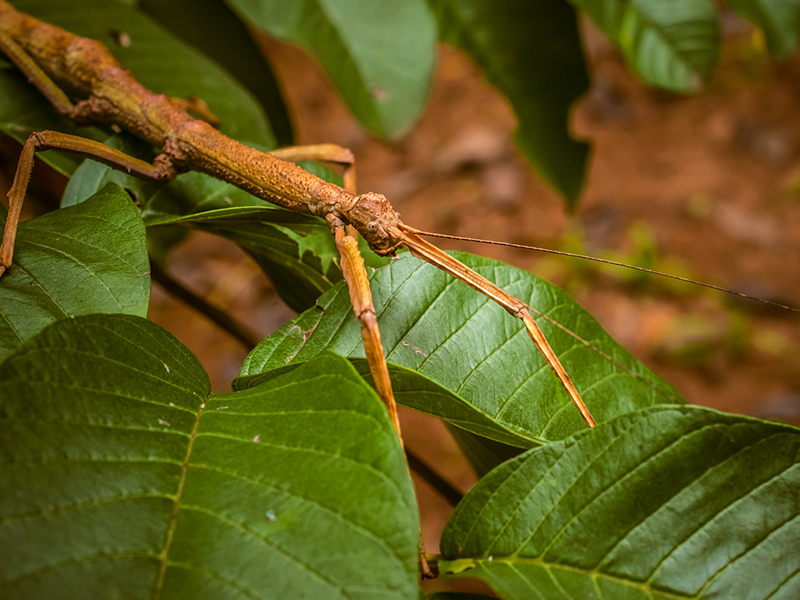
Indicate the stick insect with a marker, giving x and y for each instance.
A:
(110, 95)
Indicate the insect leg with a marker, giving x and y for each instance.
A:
(160, 169)
(430, 253)
(35, 74)
(361, 298)
(324, 153)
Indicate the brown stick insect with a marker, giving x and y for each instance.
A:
(112, 96)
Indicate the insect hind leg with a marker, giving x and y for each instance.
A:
(160, 169)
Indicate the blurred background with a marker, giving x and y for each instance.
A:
(704, 186)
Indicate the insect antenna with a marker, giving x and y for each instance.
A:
(609, 262)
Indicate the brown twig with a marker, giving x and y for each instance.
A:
(446, 489)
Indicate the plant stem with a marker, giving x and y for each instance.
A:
(436, 481)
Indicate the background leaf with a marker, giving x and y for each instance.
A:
(379, 53)
(779, 19)
(90, 258)
(119, 467)
(499, 386)
(213, 28)
(668, 43)
(665, 503)
(531, 51)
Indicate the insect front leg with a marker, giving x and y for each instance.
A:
(353, 269)
(433, 255)
(361, 298)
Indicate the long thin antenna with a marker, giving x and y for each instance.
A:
(607, 262)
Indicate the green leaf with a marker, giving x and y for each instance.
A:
(23, 110)
(531, 51)
(296, 251)
(779, 19)
(495, 383)
(121, 475)
(458, 596)
(669, 43)
(90, 258)
(666, 503)
(379, 53)
(213, 28)
(161, 62)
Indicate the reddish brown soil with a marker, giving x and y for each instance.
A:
(712, 179)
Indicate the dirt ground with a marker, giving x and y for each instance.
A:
(706, 186)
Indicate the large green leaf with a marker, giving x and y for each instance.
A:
(494, 382)
(159, 60)
(121, 475)
(86, 259)
(669, 43)
(666, 503)
(531, 51)
(780, 20)
(379, 53)
(456, 596)
(213, 28)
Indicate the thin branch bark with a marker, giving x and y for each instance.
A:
(432, 478)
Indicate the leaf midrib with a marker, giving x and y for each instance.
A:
(177, 509)
(538, 562)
